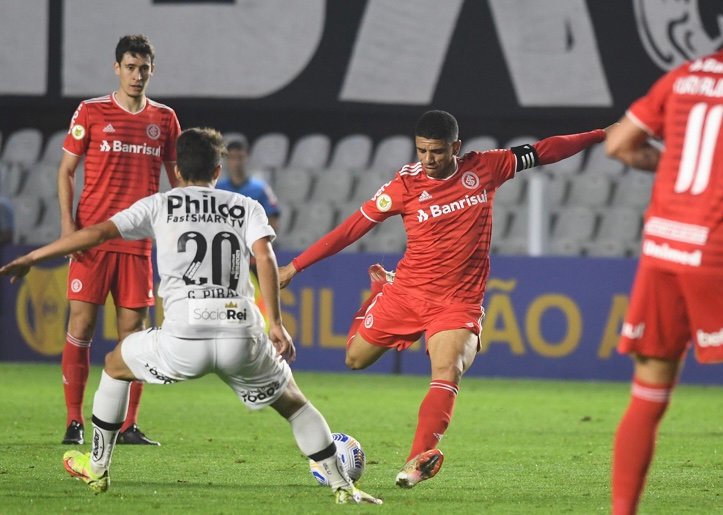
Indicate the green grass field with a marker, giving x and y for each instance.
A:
(518, 447)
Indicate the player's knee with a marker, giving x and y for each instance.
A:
(450, 372)
(354, 362)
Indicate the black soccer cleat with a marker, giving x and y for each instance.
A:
(74, 434)
(134, 436)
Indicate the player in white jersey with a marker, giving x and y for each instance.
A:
(205, 238)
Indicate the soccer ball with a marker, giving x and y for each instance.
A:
(352, 458)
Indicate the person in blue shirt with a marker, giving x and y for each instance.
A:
(238, 180)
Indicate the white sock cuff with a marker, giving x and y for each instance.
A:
(111, 399)
(310, 429)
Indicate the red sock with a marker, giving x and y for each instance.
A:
(635, 444)
(435, 412)
(134, 399)
(75, 365)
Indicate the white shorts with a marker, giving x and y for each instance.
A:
(250, 366)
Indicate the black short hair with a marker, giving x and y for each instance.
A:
(134, 44)
(437, 125)
(199, 151)
(238, 143)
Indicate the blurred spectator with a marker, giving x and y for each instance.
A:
(239, 180)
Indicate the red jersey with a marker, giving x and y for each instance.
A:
(683, 223)
(448, 221)
(448, 224)
(123, 152)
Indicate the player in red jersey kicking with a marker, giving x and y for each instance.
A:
(445, 202)
(125, 137)
(677, 293)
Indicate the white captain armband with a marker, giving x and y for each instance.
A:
(526, 157)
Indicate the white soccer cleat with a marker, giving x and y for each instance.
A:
(423, 466)
(378, 274)
(352, 495)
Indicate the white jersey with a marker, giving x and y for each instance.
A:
(203, 240)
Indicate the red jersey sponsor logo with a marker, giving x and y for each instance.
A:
(129, 148)
(436, 210)
(710, 339)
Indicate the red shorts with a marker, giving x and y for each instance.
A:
(396, 320)
(668, 309)
(128, 277)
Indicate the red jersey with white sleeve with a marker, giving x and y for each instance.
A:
(448, 221)
(684, 221)
(123, 152)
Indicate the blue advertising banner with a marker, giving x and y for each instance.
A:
(556, 318)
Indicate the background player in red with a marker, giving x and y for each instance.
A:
(125, 137)
(445, 202)
(676, 296)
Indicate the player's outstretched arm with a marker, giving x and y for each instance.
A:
(73, 242)
(346, 233)
(268, 275)
(629, 144)
(556, 148)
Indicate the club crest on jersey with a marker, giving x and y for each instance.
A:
(384, 202)
(369, 321)
(470, 180)
(78, 132)
(153, 131)
(76, 285)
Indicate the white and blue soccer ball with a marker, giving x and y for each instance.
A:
(352, 458)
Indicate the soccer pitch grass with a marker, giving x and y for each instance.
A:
(514, 446)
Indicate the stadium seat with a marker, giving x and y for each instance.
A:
(352, 153)
(500, 219)
(368, 184)
(310, 151)
(573, 225)
(297, 241)
(556, 188)
(293, 185)
(333, 186)
(42, 181)
(512, 192)
(592, 190)
(565, 247)
(599, 162)
(569, 166)
(269, 151)
(12, 178)
(27, 212)
(48, 227)
(392, 153)
(478, 144)
(633, 189)
(388, 236)
(620, 223)
(53, 150)
(515, 242)
(23, 147)
(384, 243)
(606, 248)
(315, 218)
